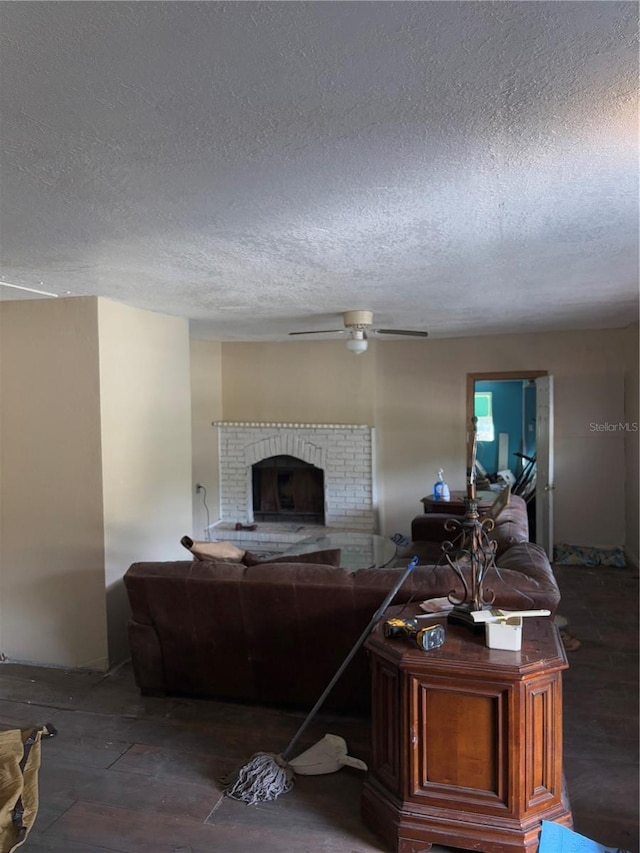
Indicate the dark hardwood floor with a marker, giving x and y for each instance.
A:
(128, 774)
(601, 702)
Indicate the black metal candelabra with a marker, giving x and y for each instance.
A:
(471, 555)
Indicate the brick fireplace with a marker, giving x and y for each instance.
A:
(343, 452)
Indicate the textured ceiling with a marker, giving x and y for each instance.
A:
(460, 167)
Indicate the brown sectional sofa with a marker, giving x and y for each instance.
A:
(511, 527)
(276, 633)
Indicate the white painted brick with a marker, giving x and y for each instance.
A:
(343, 454)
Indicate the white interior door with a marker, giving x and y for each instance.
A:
(544, 463)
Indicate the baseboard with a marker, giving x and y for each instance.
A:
(631, 560)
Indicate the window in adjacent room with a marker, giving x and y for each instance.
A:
(483, 407)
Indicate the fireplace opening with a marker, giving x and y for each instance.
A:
(287, 489)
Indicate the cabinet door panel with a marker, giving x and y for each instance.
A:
(459, 743)
(462, 738)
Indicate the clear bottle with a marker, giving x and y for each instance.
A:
(440, 488)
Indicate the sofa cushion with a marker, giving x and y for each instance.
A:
(511, 525)
(329, 557)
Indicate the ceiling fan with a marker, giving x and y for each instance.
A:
(358, 324)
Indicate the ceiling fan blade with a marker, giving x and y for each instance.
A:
(320, 332)
(407, 332)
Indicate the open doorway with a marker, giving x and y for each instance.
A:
(515, 432)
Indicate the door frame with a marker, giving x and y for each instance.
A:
(493, 376)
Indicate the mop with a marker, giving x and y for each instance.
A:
(267, 775)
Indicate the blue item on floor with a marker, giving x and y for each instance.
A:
(555, 838)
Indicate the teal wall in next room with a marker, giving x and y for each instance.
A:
(508, 408)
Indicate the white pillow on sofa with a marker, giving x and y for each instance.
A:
(217, 550)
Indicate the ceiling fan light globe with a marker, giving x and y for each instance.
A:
(357, 345)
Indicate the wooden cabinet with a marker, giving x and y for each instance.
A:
(467, 740)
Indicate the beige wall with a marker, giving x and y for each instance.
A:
(301, 382)
(413, 392)
(298, 382)
(423, 409)
(96, 470)
(631, 439)
(145, 404)
(206, 407)
(51, 532)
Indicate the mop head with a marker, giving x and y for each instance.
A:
(267, 775)
(262, 779)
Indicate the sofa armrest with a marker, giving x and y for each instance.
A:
(512, 524)
(430, 527)
(522, 580)
(526, 572)
(510, 527)
(146, 657)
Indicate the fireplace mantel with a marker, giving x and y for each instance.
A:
(343, 451)
(270, 424)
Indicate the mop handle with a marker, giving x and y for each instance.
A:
(375, 619)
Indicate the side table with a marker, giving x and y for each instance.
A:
(467, 740)
(455, 505)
